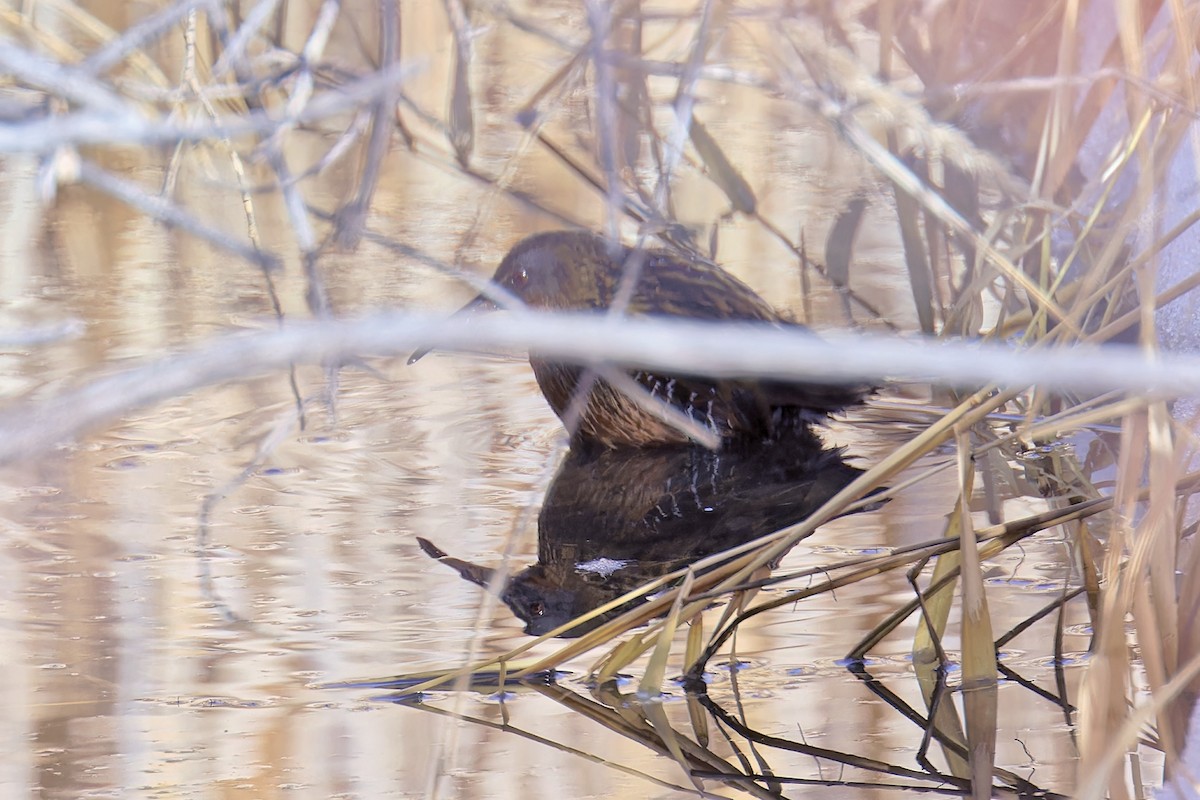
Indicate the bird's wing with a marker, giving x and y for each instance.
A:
(700, 292)
(669, 287)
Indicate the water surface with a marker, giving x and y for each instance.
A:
(135, 666)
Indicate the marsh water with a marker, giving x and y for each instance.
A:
(126, 673)
(137, 663)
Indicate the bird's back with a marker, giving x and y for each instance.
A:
(732, 408)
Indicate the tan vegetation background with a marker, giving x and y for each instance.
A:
(200, 525)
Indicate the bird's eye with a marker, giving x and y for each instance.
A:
(537, 609)
(520, 278)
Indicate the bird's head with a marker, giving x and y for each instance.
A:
(561, 271)
(556, 271)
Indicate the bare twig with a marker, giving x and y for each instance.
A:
(721, 350)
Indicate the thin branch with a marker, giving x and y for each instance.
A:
(722, 350)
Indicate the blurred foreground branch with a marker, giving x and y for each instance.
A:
(721, 350)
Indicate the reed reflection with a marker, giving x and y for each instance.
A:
(615, 519)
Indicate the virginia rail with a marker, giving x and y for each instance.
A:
(579, 271)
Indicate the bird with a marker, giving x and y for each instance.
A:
(582, 271)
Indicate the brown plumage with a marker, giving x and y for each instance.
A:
(578, 271)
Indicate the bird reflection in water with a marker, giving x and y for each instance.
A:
(613, 520)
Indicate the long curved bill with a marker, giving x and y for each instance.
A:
(481, 304)
(476, 574)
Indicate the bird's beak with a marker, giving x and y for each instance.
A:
(481, 576)
(480, 305)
